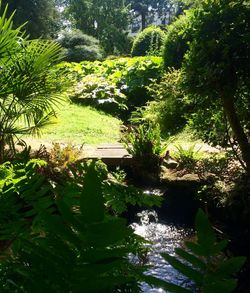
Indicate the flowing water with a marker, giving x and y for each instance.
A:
(164, 237)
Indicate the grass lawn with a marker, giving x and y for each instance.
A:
(76, 125)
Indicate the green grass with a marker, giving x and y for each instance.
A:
(187, 140)
(76, 124)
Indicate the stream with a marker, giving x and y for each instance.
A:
(164, 236)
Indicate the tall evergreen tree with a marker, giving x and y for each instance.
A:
(42, 16)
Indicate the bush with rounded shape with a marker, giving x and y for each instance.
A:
(148, 42)
(83, 52)
(169, 107)
(176, 42)
(217, 63)
(79, 46)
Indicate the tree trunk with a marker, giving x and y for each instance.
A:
(229, 108)
(1, 150)
(143, 21)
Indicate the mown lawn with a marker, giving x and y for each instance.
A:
(78, 125)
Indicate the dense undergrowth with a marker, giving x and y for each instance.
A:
(117, 86)
(62, 231)
(61, 228)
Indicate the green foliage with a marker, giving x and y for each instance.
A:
(73, 71)
(42, 17)
(25, 194)
(79, 47)
(29, 189)
(76, 248)
(30, 90)
(122, 76)
(99, 93)
(208, 122)
(96, 18)
(170, 105)
(30, 87)
(148, 42)
(62, 237)
(203, 261)
(61, 156)
(137, 74)
(118, 195)
(143, 142)
(216, 66)
(176, 42)
(208, 64)
(187, 157)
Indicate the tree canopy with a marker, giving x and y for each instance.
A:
(107, 20)
(147, 10)
(42, 16)
(217, 62)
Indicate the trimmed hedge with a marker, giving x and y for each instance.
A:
(176, 42)
(148, 42)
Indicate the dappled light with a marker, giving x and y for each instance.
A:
(124, 146)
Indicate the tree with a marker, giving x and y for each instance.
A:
(42, 16)
(30, 85)
(217, 63)
(79, 47)
(106, 20)
(148, 9)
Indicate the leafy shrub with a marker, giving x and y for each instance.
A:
(136, 76)
(204, 262)
(75, 248)
(74, 244)
(73, 72)
(122, 76)
(187, 157)
(61, 156)
(209, 123)
(29, 86)
(148, 42)
(100, 93)
(143, 142)
(79, 46)
(170, 105)
(176, 42)
(214, 69)
(118, 195)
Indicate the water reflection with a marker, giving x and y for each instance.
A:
(163, 238)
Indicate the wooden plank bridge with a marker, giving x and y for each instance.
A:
(110, 154)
